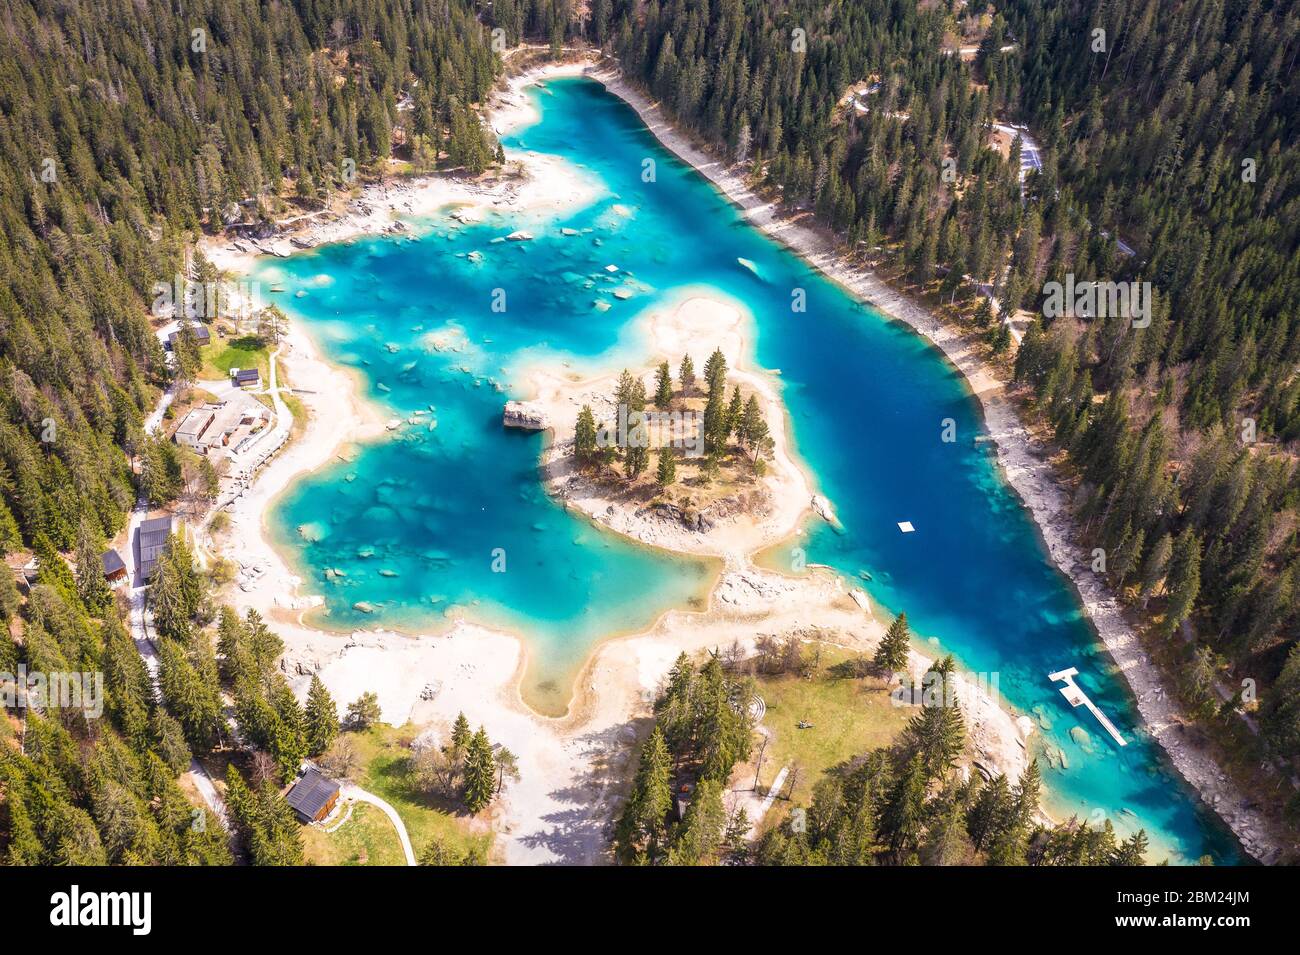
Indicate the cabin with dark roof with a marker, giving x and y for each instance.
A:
(150, 541)
(313, 796)
(114, 566)
(200, 333)
(244, 377)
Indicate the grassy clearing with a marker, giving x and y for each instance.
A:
(387, 774)
(850, 716)
(367, 838)
(246, 351)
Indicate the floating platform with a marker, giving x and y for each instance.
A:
(1077, 697)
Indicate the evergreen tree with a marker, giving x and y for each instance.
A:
(92, 588)
(1184, 581)
(364, 712)
(480, 773)
(715, 373)
(735, 413)
(938, 733)
(902, 817)
(667, 473)
(322, 718)
(584, 437)
(641, 832)
(753, 429)
(460, 734)
(663, 387)
(891, 654)
(686, 375)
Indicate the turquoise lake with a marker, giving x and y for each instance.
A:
(415, 522)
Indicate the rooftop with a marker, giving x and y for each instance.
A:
(310, 793)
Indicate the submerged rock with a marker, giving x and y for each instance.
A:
(822, 507)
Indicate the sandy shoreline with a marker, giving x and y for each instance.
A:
(1022, 461)
(573, 767)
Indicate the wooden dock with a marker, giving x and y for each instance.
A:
(1077, 697)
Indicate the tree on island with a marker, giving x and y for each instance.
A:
(663, 387)
(667, 472)
(715, 372)
(715, 424)
(891, 655)
(630, 400)
(735, 412)
(322, 718)
(584, 437)
(686, 375)
(753, 429)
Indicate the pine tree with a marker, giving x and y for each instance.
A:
(322, 718)
(288, 740)
(697, 840)
(663, 387)
(715, 373)
(1132, 851)
(667, 472)
(938, 733)
(92, 588)
(753, 428)
(686, 375)
(990, 813)
(1184, 582)
(735, 413)
(584, 437)
(891, 654)
(641, 833)
(460, 734)
(1155, 567)
(715, 424)
(902, 818)
(480, 773)
(364, 711)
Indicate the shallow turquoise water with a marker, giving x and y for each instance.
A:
(866, 397)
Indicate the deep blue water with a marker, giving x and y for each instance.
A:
(867, 400)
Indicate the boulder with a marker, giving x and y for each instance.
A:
(525, 415)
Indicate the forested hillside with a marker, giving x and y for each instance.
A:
(125, 128)
(1173, 133)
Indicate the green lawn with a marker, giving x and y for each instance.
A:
(387, 774)
(368, 838)
(246, 351)
(849, 716)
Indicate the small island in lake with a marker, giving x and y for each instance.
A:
(688, 453)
